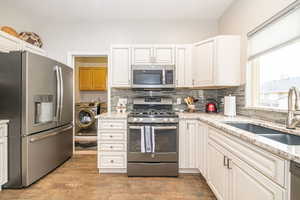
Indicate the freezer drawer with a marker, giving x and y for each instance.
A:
(45, 152)
(152, 169)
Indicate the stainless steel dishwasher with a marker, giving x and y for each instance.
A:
(295, 180)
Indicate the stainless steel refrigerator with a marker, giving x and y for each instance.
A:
(36, 95)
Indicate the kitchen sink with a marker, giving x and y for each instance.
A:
(272, 134)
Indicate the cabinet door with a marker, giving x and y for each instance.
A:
(163, 55)
(217, 171)
(183, 66)
(3, 161)
(85, 79)
(99, 79)
(203, 66)
(120, 70)
(202, 155)
(183, 145)
(192, 144)
(188, 143)
(142, 55)
(248, 184)
(9, 43)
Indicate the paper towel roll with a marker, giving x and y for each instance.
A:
(230, 106)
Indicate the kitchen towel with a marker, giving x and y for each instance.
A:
(153, 140)
(142, 140)
(148, 139)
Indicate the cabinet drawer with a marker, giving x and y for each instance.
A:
(265, 162)
(109, 146)
(3, 130)
(112, 160)
(113, 124)
(112, 136)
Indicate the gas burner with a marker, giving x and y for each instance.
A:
(153, 113)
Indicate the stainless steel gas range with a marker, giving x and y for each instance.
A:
(152, 138)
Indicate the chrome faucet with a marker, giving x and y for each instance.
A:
(293, 117)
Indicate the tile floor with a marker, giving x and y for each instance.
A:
(78, 178)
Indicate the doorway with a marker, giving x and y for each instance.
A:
(90, 99)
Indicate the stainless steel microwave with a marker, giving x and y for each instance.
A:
(162, 76)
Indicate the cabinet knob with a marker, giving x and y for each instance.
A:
(111, 147)
(111, 161)
(111, 136)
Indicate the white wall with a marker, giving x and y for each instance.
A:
(62, 38)
(244, 15)
(17, 19)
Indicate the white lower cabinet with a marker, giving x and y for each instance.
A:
(234, 169)
(3, 155)
(217, 176)
(248, 184)
(112, 146)
(231, 178)
(188, 145)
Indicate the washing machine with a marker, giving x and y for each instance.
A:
(86, 123)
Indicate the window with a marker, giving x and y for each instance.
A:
(274, 61)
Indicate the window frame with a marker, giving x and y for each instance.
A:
(252, 86)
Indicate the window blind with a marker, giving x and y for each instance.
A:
(279, 31)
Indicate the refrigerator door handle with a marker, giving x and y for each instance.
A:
(61, 93)
(58, 93)
(41, 137)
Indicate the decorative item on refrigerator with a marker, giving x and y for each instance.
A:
(230, 106)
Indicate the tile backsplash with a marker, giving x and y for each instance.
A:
(203, 96)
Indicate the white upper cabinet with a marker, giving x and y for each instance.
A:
(184, 66)
(203, 63)
(10, 43)
(120, 66)
(153, 55)
(164, 55)
(216, 62)
(142, 55)
(33, 49)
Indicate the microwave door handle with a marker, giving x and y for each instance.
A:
(61, 93)
(58, 93)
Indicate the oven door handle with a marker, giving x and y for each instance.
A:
(164, 128)
(136, 127)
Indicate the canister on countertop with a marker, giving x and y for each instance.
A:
(230, 106)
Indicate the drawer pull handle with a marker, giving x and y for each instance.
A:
(111, 136)
(111, 161)
(111, 147)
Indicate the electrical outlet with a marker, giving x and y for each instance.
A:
(178, 101)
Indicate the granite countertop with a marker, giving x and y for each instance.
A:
(289, 152)
(112, 115)
(4, 121)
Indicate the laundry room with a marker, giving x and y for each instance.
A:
(90, 100)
